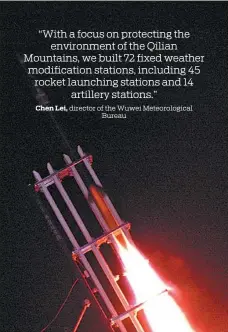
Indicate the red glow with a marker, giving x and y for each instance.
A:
(162, 312)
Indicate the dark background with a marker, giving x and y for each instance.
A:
(166, 173)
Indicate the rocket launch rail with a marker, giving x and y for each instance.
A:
(114, 228)
(116, 234)
(100, 240)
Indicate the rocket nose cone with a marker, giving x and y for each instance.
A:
(93, 191)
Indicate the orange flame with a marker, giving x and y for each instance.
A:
(162, 312)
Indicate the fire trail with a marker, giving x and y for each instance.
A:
(162, 312)
(152, 294)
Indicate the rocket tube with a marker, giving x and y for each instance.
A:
(98, 196)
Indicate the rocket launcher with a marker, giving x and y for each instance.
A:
(98, 195)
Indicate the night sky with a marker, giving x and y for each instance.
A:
(165, 172)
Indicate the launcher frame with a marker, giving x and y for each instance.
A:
(56, 178)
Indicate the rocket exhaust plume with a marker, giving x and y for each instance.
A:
(151, 293)
(162, 312)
